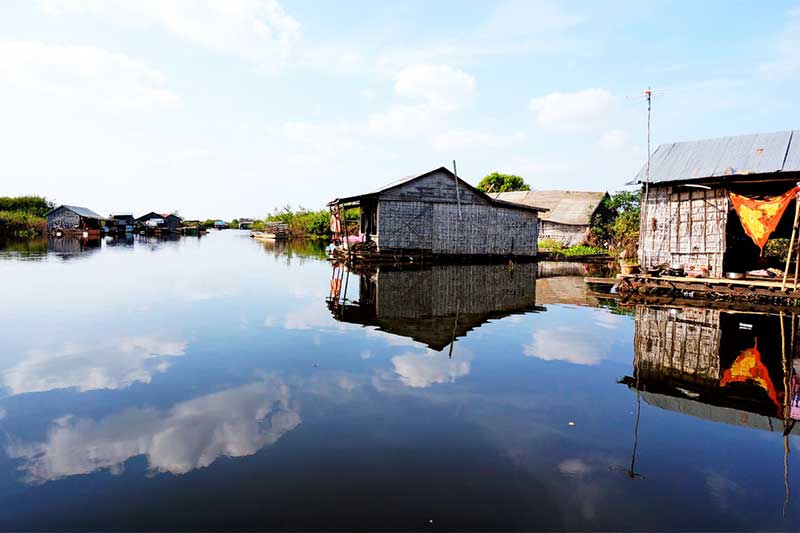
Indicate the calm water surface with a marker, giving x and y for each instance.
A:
(220, 383)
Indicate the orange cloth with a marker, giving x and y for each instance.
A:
(748, 367)
(760, 217)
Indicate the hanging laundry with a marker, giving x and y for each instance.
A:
(760, 217)
(336, 224)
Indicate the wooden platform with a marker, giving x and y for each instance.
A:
(754, 290)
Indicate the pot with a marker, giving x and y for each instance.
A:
(629, 269)
(735, 275)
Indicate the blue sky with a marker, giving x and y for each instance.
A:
(226, 109)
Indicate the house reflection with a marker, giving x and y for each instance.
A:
(71, 245)
(728, 367)
(433, 305)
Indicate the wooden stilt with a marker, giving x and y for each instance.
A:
(791, 244)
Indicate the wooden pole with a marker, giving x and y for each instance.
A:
(791, 243)
(458, 195)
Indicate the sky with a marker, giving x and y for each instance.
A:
(234, 108)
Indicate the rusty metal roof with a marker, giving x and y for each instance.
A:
(761, 153)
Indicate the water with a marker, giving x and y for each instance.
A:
(220, 383)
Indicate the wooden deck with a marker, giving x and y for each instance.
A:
(755, 290)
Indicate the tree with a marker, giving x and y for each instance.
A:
(496, 182)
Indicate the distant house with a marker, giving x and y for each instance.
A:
(169, 222)
(436, 213)
(71, 219)
(120, 222)
(245, 223)
(220, 224)
(569, 213)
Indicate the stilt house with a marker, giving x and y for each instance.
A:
(690, 190)
(569, 214)
(437, 213)
(71, 219)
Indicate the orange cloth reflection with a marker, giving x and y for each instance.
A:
(748, 367)
(760, 217)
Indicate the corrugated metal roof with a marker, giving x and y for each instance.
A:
(80, 211)
(564, 207)
(761, 153)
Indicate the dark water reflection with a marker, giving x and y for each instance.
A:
(222, 383)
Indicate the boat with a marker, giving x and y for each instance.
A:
(262, 236)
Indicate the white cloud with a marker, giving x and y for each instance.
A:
(78, 78)
(572, 345)
(423, 370)
(259, 30)
(574, 467)
(3, 413)
(193, 434)
(576, 110)
(464, 139)
(444, 88)
(439, 89)
(103, 365)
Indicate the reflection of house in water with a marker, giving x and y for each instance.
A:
(715, 365)
(437, 304)
(71, 245)
(562, 282)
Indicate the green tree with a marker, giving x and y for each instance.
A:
(496, 182)
(618, 228)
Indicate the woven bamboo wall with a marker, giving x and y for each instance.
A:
(429, 214)
(684, 226)
(567, 234)
(444, 289)
(682, 344)
(62, 218)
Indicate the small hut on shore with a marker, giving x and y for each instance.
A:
(437, 213)
(74, 221)
(713, 203)
(569, 214)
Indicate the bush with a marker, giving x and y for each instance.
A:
(306, 223)
(582, 249)
(34, 205)
(21, 224)
(551, 245)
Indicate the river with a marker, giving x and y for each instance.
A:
(222, 383)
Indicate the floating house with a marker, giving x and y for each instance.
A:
(437, 213)
(569, 214)
(433, 305)
(120, 222)
(162, 222)
(691, 191)
(74, 221)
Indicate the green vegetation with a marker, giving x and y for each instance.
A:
(617, 229)
(314, 224)
(23, 216)
(558, 249)
(496, 182)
